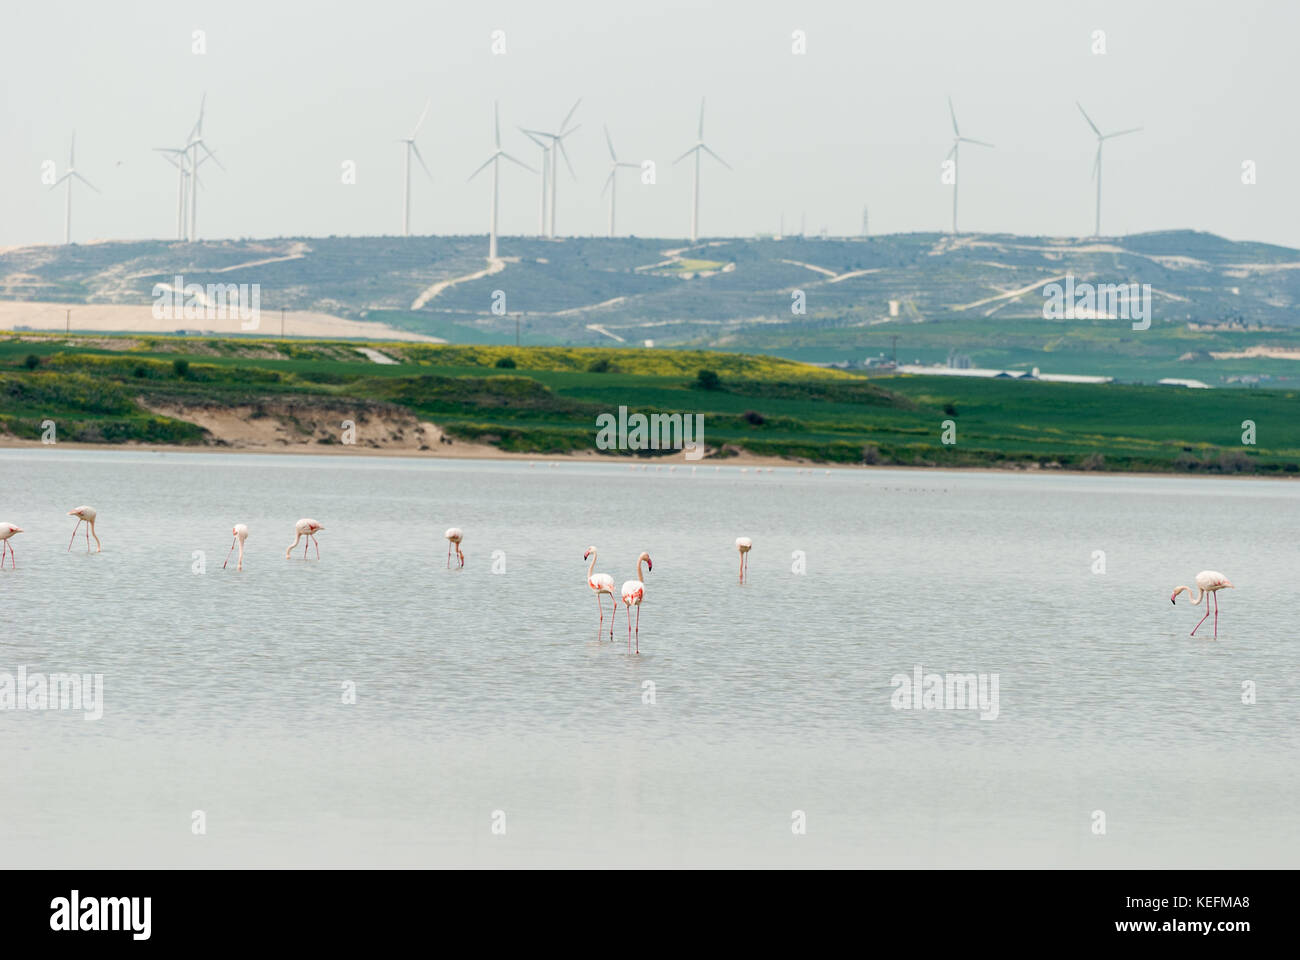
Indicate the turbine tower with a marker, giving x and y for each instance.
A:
(611, 183)
(495, 161)
(700, 147)
(546, 164)
(194, 144)
(556, 143)
(1096, 164)
(957, 140)
(69, 175)
(178, 157)
(411, 148)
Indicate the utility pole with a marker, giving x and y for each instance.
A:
(282, 323)
(894, 346)
(67, 321)
(516, 330)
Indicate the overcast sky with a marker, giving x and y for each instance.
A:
(295, 89)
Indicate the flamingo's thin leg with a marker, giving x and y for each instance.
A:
(1203, 619)
(232, 550)
(317, 542)
(88, 538)
(638, 628)
(629, 622)
(612, 616)
(74, 533)
(1216, 614)
(448, 554)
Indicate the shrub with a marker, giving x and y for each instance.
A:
(182, 367)
(708, 380)
(32, 361)
(870, 454)
(950, 409)
(505, 363)
(599, 366)
(753, 417)
(1093, 461)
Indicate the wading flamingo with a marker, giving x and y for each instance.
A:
(633, 593)
(88, 515)
(602, 583)
(306, 527)
(241, 534)
(1207, 582)
(744, 545)
(7, 530)
(454, 537)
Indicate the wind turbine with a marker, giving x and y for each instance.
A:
(957, 140)
(411, 148)
(194, 144)
(557, 142)
(700, 147)
(69, 175)
(611, 184)
(495, 162)
(1096, 164)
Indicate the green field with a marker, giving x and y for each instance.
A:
(546, 400)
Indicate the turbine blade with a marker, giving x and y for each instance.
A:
(634, 166)
(686, 154)
(569, 116)
(529, 134)
(515, 160)
(1088, 118)
(565, 154)
(482, 168)
(715, 156)
(610, 143)
(980, 143)
(953, 152)
(955, 131)
(73, 173)
(1121, 133)
(60, 180)
(210, 155)
(608, 181)
(423, 165)
(424, 113)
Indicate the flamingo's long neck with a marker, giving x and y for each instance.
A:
(639, 575)
(1196, 597)
(591, 568)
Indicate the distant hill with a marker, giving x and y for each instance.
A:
(977, 294)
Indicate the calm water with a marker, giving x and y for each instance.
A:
(479, 692)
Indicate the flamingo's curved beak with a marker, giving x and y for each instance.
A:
(586, 555)
(649, 564)
(1174, 599)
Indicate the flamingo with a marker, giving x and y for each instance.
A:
(87, 514)
(241, 534)
(744, 545)
(454, 537)
(602, 583)
(1207, 582)
(633, 593)
(306, 527)
(7, 530)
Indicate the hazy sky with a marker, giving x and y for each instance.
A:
(295, 89)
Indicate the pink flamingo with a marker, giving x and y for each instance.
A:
(744, 545)
(602, 583)
(88, 515)
(241, 534)
(306, 527)
(454, 537)
(633, 593)
(7, 530)
(1207, 582)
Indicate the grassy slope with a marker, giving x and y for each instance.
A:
(549, 401)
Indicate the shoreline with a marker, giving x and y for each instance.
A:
(471, 451)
